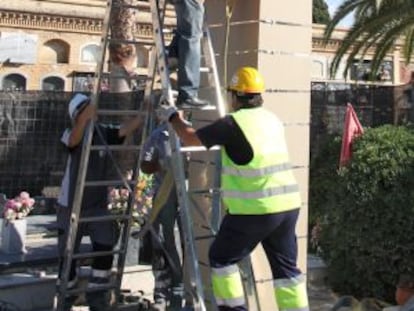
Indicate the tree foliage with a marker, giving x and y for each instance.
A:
(367, 211)
(320, 12)
(378, 25)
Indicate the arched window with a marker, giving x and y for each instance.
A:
(14, 82)
(90, 53)
(55, 52)
(142, 57)
(53, 84)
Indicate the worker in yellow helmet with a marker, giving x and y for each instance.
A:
(259, 191)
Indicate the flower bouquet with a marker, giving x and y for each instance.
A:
(144, 192)
(19, 207)
(118, 200)
(14, 224)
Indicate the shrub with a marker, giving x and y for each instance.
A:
(323, 174)
(368, 210)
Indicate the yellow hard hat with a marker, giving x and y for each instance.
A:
(247, 80)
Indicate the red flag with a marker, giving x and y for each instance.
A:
(352, 129)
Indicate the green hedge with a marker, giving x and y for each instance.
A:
(366, 212)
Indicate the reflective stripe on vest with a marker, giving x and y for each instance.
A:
(266, 184)
(269, 192)
(256, 172)
(291, 294)
(227, 286)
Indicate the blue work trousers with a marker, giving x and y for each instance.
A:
(190, 16)
(240, 234)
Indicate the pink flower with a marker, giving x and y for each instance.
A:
(124, 193)
(18, 207)
(11, 204)
(24, 195)
(29, 202)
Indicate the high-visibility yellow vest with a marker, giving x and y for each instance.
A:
(265, 185)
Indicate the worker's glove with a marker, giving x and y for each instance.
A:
(165, 113)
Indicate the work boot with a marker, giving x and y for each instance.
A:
(191, 102)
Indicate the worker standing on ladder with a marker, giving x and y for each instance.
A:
(259, 191)
(186, 45)
(103, 235)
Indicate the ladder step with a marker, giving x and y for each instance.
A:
(116, 147)
(203, 162)
(138, 77)
(97, 183)
(187, 108)
(104, 218)
(96, 254)
(134, 42)
(115, 112)
(205, 237)
(205, 69)
(75, 291)
(198, 148)
(202, 263)
(125, 6)
(205, 191)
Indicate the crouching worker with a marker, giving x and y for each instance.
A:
(103, 235)
(259, 191)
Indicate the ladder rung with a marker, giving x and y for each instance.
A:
(104, 218)
(208, 107)
(205, 69)
(116, 147)
(205, 191)
(205, 237)
(135, 42)
(96, 254)
(97, 183)
(103, 287)
(198, 148)
(203, 264)
(205, 162)
(115, 112)
(206, 88)
(125, 6)
(141, 77)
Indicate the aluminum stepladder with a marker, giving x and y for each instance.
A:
(177, 159)
(201, 190)
(125, 218)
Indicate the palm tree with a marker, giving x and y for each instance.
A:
(122, 55)
(378, 25)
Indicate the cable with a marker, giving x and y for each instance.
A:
(229, 13)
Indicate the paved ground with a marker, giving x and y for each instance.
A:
(42, 244)
(321, 297)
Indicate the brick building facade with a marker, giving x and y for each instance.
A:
(43, 45)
